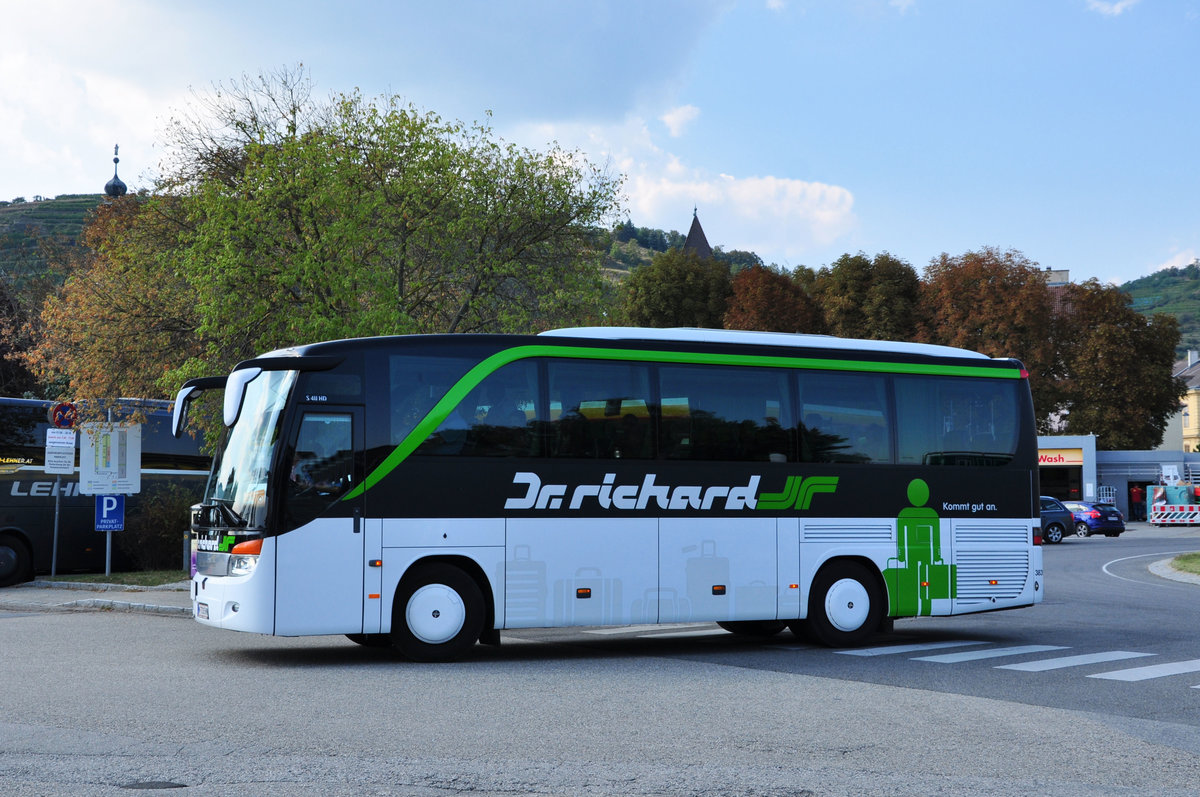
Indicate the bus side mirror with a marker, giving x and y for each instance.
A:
(190, 391)
(180, 411)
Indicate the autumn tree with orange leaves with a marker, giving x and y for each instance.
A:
(772, 301)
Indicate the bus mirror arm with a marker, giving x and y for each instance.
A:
(190, 391)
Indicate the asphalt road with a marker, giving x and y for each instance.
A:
(101, 703)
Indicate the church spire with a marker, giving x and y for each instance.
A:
(114, 187)
(695, 241)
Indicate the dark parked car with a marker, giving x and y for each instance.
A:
(1057, 520)
(1093, 517)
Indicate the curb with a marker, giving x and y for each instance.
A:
(1163, 569)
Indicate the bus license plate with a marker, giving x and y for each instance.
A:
(202, 611)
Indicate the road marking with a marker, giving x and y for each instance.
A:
(1073, 661)
(1108, 572)
(992, 653)
(1153, 671)
(889, 650)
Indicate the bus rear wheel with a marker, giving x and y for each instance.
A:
(845, 606)
(15, 561)
(438, 613)
(754, 628)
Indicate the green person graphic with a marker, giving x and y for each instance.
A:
(918, 575)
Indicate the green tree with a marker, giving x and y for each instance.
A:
(1119, 364)
(737, 259)
(124, 315)
(296, 221)
(678, 289)
(769, 300)
(874, 298)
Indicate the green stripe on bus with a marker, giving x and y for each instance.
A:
(433, 419)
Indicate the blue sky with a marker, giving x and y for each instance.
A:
(800, 129)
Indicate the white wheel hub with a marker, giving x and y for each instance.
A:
(435, 614)
(847, 604)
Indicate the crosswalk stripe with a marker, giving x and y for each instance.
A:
(992, 653)
(1152, 671)
(1072, 661)
(890, 650)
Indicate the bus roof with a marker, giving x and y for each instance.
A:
(691, 335)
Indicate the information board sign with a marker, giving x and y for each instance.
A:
(110, 458)
(60, 451)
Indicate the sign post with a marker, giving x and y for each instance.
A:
(59, 459)
(110, 467)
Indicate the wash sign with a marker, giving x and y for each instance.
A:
(110, 513)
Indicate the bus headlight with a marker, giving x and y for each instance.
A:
(242, 565)
(244, 557)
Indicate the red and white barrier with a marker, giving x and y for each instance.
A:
(1174, 514)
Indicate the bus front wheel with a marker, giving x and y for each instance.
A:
(438, 613)
(15, 561)
(845, 606)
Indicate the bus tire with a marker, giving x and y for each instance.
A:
(15, 561)
(845, 606)
(755, 628)
(438, 613)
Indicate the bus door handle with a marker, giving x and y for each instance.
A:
(357, 520)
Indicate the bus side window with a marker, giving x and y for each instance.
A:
(725, 414)
(844, 417)
(605, 410)
(956, 421)
(503, 411)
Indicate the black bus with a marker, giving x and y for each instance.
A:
(27, 492)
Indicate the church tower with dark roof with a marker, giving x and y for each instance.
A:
(114, 187)
(695, 241)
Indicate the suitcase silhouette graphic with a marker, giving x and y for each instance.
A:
(525, 589)
(587, 599)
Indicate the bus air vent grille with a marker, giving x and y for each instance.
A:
(978, 569)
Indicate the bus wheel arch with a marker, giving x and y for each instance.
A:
(16, 558)
(847, 603)
(440, 610)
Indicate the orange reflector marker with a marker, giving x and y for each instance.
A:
(248, 548)
(924, 583)
(718, 589)
(993, 581)
(376, 563)
(793, 586)
(583, 592)
(373, 596)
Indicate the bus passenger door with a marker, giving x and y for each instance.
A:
(321, 549)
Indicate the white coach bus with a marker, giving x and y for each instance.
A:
(427, 491)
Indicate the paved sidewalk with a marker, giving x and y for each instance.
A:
(41, 596)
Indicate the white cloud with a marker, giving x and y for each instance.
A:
(776, 5)
(679, 118)
(902, 5)
(781, 218)
(1180, 259)
(1111, 8)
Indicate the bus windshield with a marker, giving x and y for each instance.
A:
(243, 464)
